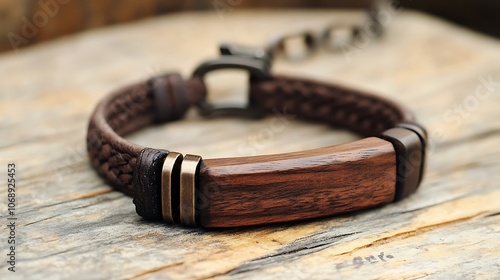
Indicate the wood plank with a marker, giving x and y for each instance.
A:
(70, 223)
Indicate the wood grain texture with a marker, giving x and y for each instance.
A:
(296, 186)
(72, 225)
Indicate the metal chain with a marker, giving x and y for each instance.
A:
(332, 38)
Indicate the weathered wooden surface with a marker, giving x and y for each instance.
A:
(72, 225)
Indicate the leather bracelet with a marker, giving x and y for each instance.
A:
(385, 166)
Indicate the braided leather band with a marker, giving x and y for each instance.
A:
(387, 166)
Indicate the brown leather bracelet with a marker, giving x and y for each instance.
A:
(384, 167)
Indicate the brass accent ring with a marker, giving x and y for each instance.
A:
(189, 171)
(170, 187)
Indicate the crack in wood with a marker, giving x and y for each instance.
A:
(492, 215)
(77, 196)
(155, 270)
(410, 233)
(300, 247)
(41, 220)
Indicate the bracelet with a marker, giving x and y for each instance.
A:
(386, 166)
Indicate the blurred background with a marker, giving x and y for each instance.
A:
(26, 22)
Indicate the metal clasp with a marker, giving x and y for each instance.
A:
(258, 70)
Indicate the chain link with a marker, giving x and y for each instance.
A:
(333, 37)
